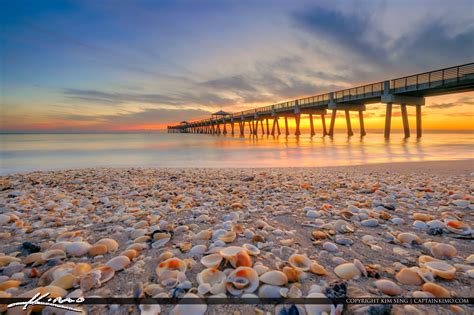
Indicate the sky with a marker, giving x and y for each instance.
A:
(140, 65)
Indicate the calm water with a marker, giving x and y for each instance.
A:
(29, 152)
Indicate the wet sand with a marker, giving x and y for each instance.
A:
(351, 217)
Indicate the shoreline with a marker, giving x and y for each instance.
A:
(447, 167)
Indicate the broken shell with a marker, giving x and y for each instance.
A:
(90, 280)
(388, 287)
(347, 271)
(111, 244)
(318, 269)
(98, 249)
(292, 274)
(242, 280)
(54, 254)
(301, 262)
(442, 251)
(441, 269)
(436, 290)
(106, 272)
(78, 249)
(118, 263)
(274, 277)
(211, 261)
(228, 237)
(212, 279)
(408, 276)
(251, 249)
(408, 238)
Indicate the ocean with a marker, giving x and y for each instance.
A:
(40, 152)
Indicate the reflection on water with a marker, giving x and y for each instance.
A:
(59, 151)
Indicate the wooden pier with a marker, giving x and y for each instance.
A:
(406, 91)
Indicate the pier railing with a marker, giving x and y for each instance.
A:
(413, 83)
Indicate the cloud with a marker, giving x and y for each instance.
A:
(460, 102)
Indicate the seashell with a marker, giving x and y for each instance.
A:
(292, 273)
(319, 235)
(436, 290)
(189, 309)
(421, 217)
(408, 276)
(8, 284)
(242, 280)
(237, 256)
(111, 244)
(408, 238)
(342, 226)
(36, 258)
(228, 237)
(55, 291)
(78, 249)
(138, 246)
(435, 224)
(90, 281)
(203, 235)
(251, 249)
(458, 227)
(238, 228)
(81, 268)
(54, 254)
(258, 239)
(212, 279)
(185, 246)
(268, 291)
(106, 272)
(470, 259)
(211, 261)
(98, 249)
(170, 265)
(441, 269)
(388, 287)
(274, 277)
(443, 251)
(198, 250)
(165, 255)
(162, 241)
(318, 269)
(330, 247)
(425, 258)
(66, 282)
(118, 263)
(130, 253)
(301, 262)
(370, 223)
(347, 271)
(361, 267)
(60, 245)
(260, 269)
(422, 294)
(5, 260)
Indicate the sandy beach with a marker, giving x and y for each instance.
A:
(400, 229)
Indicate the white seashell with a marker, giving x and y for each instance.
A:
(251, 249)
(420, 225)
(269, 291)
(442, 251)
(301, 262)
(111, 244)
(388, 287)
(260, 269)
(198, 250)
(118, 263)
(78, 249)
(242, 280)
(347, 271)
(274, 277)
(441, 269)
(160, 242)
(211, 261)
(189, 309)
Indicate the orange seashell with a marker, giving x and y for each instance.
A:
(242, 259)
(9, 284)
(457, 224)
(98, 249)
(130, 253)
(292, 274)
(436, 290)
